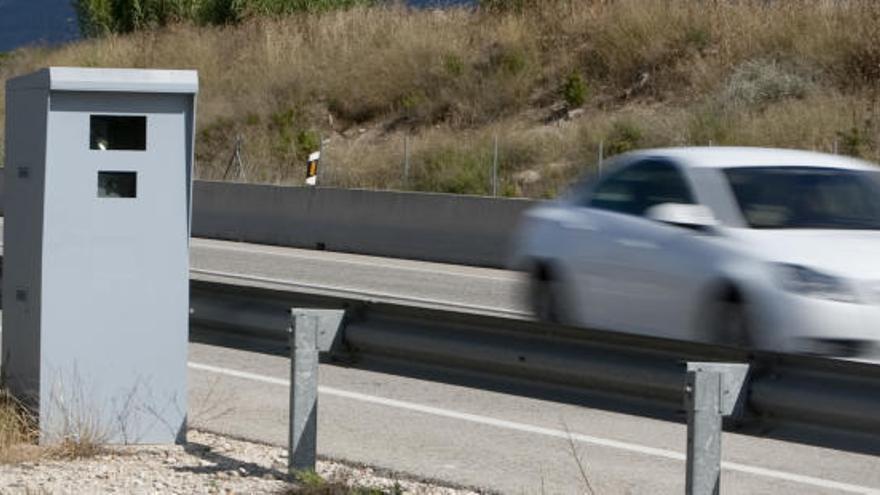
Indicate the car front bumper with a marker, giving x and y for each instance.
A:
(810, 325)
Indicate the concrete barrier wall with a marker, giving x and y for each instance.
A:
(431, 227)
(466, 230)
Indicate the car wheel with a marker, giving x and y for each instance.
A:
(730, 323)
(546, 295)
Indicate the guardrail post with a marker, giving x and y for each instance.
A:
(311, 332)
(713, 390)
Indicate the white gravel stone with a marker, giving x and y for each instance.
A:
(210, 463)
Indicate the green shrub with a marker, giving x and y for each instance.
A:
(509, 60)
(309, 478)
(500, 6)
(517, 153)
(252, 119)
(697, 37)
(857, 141)
(284, 7)
(95, 17)
(452, 170)
(454, 65)
(412, 101)
(283, 120)
(102, 17)
(284, 135)
(220, 12)
(307, 141)
(624, 136)
(311, 483)
(709, 125)
(574, 90)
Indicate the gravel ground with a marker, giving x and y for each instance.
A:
(207, 464)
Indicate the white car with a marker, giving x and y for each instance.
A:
(775, 249)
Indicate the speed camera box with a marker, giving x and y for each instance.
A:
(97, 218)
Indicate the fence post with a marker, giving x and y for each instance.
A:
(713, 390)
(495, 169)
(311, 331)
(236, 159)
(322, 161)
(406, 161)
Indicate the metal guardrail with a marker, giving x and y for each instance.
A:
(824, 395)
(713, 391)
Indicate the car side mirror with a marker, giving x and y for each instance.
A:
(696, 217)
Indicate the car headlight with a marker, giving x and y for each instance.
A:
(808, 282)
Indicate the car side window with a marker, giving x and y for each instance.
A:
(638, 187)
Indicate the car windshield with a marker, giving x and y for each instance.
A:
(807, 197)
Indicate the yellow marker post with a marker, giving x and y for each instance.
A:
(312, 169)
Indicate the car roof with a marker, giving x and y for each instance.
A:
(729, 157)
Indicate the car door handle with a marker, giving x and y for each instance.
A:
(636, 243)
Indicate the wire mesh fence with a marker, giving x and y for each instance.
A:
(490, 164)
(514, 164)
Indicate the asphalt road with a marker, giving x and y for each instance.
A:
(498, 441)
(486, 290)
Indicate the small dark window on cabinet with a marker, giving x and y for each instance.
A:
(117, 184)
(118, 132)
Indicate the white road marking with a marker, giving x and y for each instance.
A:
(526, 428)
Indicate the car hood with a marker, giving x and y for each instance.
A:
(849, 253)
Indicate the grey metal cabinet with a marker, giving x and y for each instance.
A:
(97, 219)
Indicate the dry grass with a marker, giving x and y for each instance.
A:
(18, 434)
(332, 489)
(310, 483)
(660, 72)
(19, 437)
(76, 448)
